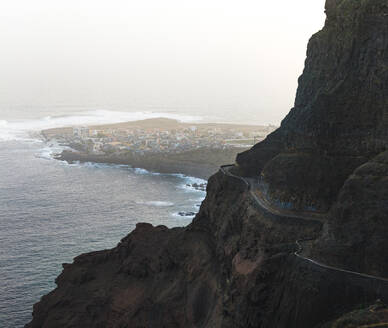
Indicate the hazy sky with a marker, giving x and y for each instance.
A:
(239, 57)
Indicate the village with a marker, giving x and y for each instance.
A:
(152, 140)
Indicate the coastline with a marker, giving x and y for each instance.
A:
(159, 145)
(199, 163)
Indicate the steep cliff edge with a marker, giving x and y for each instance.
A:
(235, 265)
(218, 272)
(340, 118)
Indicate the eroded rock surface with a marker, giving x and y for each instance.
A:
(217, 272)
(356, 236)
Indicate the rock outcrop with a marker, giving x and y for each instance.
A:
(235, 265)
(217, 272)
(356, 234)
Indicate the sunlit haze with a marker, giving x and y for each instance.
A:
(228, 60)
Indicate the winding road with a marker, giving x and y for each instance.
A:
(257, 194)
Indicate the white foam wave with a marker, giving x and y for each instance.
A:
(193, 180)
(138, 170)
(93, 165)
(197, 200)
(46, 153)
(49, 150)
(156, 203)
(187, 184)
(190, 181)
(178, 215)
(21, 129)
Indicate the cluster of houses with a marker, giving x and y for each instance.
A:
(155, 140)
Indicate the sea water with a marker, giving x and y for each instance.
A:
(51, 211)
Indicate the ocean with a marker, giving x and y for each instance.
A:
(51, 211)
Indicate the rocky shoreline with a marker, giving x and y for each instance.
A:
(200, 163)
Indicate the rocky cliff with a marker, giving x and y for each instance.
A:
(340, 117)
(237, 264)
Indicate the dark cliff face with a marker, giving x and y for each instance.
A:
(356, 233)
(218, 272)
(234, 266)
(340, 118)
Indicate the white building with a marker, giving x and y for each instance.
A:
(81, 131)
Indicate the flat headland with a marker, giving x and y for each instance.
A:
(159, 145)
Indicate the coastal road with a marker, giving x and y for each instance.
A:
(253, 187)
(258, 195)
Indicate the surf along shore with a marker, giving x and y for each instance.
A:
(158, 145)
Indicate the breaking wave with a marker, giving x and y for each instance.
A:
(156, 203)
(23, 130)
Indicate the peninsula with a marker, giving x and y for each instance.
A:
(161, 145)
